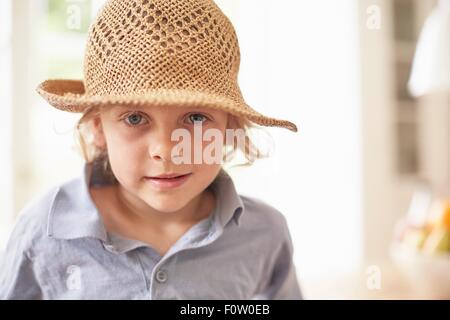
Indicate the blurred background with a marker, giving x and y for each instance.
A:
(363, 184)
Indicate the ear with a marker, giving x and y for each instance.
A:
(99, 136)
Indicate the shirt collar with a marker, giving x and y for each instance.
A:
(73, 213)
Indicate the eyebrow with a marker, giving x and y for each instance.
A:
(146, 108)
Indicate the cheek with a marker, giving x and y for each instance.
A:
(125, 154)
(207, 173)
(123, 141)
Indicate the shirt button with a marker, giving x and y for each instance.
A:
(161, 276)
(110, 247)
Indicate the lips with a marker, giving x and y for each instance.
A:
(174, 181)
(168, 176)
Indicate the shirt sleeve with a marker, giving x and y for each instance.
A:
(283, 283)
(17, 274)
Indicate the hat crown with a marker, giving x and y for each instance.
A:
(135, 46)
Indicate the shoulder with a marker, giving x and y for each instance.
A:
(260, 214)
(31, 223)
(21, 260)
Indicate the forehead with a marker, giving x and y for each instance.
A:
(172, 110)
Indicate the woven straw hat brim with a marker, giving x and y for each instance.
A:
(69, 95)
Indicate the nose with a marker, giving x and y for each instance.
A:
(160, 145)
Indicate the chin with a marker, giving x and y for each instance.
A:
(164, 204)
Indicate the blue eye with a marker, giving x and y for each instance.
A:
(197, 117)
(134, 119)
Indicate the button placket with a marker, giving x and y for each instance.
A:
(161, 275)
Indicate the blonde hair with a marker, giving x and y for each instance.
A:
(84, 132)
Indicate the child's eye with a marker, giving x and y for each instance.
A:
(135, 120)
(197, 117)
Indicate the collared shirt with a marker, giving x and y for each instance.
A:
(60, 249)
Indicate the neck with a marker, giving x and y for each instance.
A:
(138, 213)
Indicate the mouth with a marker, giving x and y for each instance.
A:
(168, 176)
(168, 181)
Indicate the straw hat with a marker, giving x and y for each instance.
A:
(159, 52)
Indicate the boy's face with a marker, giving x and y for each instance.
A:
(139, 144)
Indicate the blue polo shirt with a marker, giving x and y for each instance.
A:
(60, 249)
